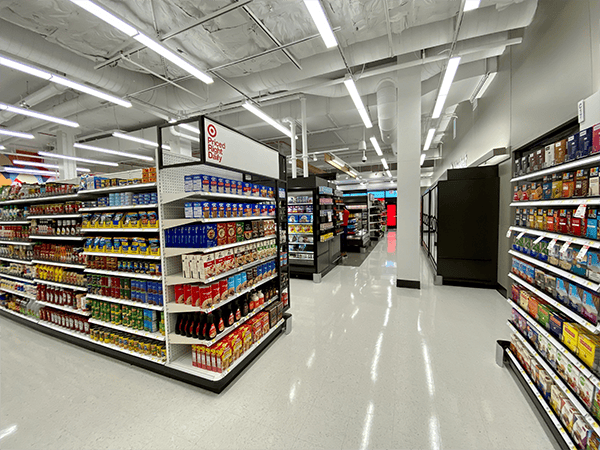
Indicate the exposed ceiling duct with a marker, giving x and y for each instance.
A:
(387, 117)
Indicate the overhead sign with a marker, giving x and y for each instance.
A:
(391, 194)
(230, 149)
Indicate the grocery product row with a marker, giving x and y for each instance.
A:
(89, 182)
(116, 264)
(214, 210)
(300, 218)
(69, 321)
(55, 227)
(120, 220)
(62, 297)
(51, 209)
(219, 185)
(300, 209)
(14, 232)
(581, 222)
(141, 291)
(18, 270)
(67, 254)
(138, 319)
(579, 184)
(18, 191)
(59, 275)
(131, 343)
(205, 236)
(123, 245)
(121, 199)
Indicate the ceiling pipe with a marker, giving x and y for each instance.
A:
(387, 117)
(35, 98)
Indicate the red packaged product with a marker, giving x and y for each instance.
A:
(195, 295)
(216, 293)
(179, 296)
(223, 289)
(187, 294)
(205, 297)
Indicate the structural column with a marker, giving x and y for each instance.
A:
(65, 138)
(408, 139)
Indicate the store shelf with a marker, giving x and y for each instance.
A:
(121, 230)
(302, 234)
(558, 168)
(180, 279)
(124, 302)
(177, 251)
(119, 208)
(299, 204)
(557, 344)
(182, 308)
(563, 273)
(19, 293)
(561, 202)
(328, 239)
(580, 320)
(184, 363)
(557, 380)
(307, 260)
(16, 278)
(543, 403)
(54, 216)
(169, 198)
(65, 308)
(157, 336)
(50, 198)
(130, 187)
(557, 236)
(56, 238)
(14, 313)
(17, 261)
(117, 273)
(298, 251)
(170, 223)
(122, 350)
(178, 339)
(76, 334)
(59, 264)
(14, 222)
(9, 242)
(61, 285)
(121, 255)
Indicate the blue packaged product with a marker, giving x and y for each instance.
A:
(572, 148)
(260, 270)
(593, 265)
(585, 143)
(211, 235)
(205, 180)
(136, 199)
(197, 212)
(188, 183)
(197, 183)
(189, 210)
(556, 326)
(244, 280)
(575, 300)
(532, 335)
(238, 283)
(562, 291)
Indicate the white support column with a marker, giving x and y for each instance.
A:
(294, 159)
(65, 138)
(408, 254)
(304, 138)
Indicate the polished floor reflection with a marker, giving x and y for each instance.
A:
(366, 366)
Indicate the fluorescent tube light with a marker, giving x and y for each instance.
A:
(351, 86)
(104, 15)
(25, 68)
(129, 137)
(422, 158)
(75, 158)
(257, 112)
(471, 5)
(385, 164)
(175, 59)
(187, 126)
(451, 69)
(490, 77)
(28, 171)
(113, 152)
(38, 115)
(16, 134)
(320, 19)
(376, 146)
(429, 139)
(91, 91)
(388, 173)
(2, 147)
(47, 166)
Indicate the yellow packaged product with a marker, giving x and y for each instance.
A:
(588, 349)
(570, 335)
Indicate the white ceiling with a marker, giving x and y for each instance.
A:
(373, 35)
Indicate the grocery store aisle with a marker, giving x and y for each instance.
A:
(367, 365)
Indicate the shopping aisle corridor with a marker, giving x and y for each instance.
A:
(367, 365)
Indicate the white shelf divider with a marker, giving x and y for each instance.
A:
(17, 261)
(14, 222)
(119, 208)
(65, 308)
(16, 278)
(9, 242)
(178, 278)
(59, 264)
(121, 255)
(557, 236)
(558, 202)
(61, 285)
(54, 216)
(122, 350)
(171, 223)
(125, 302)
(50, 198)
(116, 273)
(14, 313)
(199, 195)
(177, 251)
(563, 273)
(121, 230)
(18, 293)
(130, 187)
(157, 336)
(56, 238)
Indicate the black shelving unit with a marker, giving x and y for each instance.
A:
(357, 237)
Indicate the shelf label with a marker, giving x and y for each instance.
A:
(508, 233)
(520, 235)
(580, 213)
(582, 252)
(537, 241)
(551, 244)
(565, 247)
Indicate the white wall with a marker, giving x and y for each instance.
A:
(537, 89)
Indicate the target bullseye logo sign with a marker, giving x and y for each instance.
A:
(215, 149)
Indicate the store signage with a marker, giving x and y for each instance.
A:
(582, 252)
(391, 194)
(225, 147)
(378, 194)
(581, 111)
(325, 190)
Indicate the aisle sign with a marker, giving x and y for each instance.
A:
(227, 148)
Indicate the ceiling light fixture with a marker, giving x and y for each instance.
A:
(451, 69)
(258, 113)
(25, 68)
(429, 139)
(320, 19)
(315, 157)
(385, 164)
(45, 165)
(470, 5)
(483, 85)
(340, 164)
(422, 158)
(131, 31)
(388, 173)
(129, 137)
(28, 171)
(2, 147)
(376, 146)
(16, 134)
(364, 115)
(188, 127)
(112, 152)
(75, 158)
(37, 115)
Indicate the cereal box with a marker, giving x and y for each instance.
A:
(567, 414)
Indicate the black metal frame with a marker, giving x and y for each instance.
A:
(429, 220)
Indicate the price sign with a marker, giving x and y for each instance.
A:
(565, 247)
(520, 235)
(582, 252)
(508, 233)
(580, 213)
(537, 241)
(551, 244)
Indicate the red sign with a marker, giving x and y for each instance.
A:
(215, 148)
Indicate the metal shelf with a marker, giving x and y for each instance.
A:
(302, 234)
(120, 255)
(558, 168)
(59, 264)
(557, 236)
(14, 313)
(298, 251)
(119, 208)
(183, 308)
(559, 202)
(178, 339)
(177, 251)
(9, 242)
(122, 350)
(184, 363)
(50, 198)
(180, 279)
(17, 261)
(563, 273)
(122, 301)
(157, 336)
(14, 222)
(120, 230)
(19, 293)
(572, 314)
(54, 216)
(124, 274)
(16, 278)
(170, 223)
(169, 198)
(65, 308)
(61, 285)
(540, 399)
(130, 187)
(57, 238)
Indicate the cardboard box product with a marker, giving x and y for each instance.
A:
(585, 390)
(551, 285)
(547, 187)
(561, 364)
(548, 156)
(594, 182)
(560, 149)
(575, 301)
(557, 186)
(581, 183)
(572, 148)
(573, 375)
(525, 165)
(581, 431)
(596, 404)
(543, 318)
(567, 414)
(568, 185)
(557, 398)
(585, 144)
(587, 350)
(545, 385)
(595, 139)
(570, 335)
(593, 265)
(593, 442)
(562, 291)
(551, 353)
(543, 346)
(555, 323)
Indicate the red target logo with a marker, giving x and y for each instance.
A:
(212, 130)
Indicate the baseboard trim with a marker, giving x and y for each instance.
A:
(410, 284)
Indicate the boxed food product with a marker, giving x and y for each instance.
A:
(585, 144)
(575, 300)
(593, 442)
(581, 183)
(581, 431)
(557, 398)
(587, 350)
(568, 415)
(590, 304)
(543, 346)
(593, 265)
(585, 390)
(549, 155)
(556, 325)
(572, 147)
(562, 291)
(570, 335)
(545, 385)
(557, 186)
(573, 375)
(560, 150)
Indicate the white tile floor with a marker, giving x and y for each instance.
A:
(366, 366)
